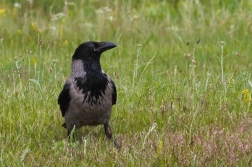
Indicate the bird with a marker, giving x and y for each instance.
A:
(89, 93)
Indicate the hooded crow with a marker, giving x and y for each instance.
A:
(88, 94)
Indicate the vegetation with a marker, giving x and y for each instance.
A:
(181, 101)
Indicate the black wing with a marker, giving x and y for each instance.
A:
(64, 99)
(114, 94)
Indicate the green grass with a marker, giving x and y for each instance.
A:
(171, 111)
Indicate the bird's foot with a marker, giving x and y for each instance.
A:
(108, 133)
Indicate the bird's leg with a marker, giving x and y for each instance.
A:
(70, 135)
(108, 133)
(68, 131)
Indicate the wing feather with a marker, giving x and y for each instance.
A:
(114, 93)
(64, 99)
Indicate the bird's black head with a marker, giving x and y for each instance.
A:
(92, 50)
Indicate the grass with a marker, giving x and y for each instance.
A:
(179, 103)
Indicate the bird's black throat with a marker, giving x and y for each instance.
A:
(93, 85)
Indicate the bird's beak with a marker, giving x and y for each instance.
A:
(105, 46)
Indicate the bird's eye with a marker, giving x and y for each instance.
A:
(91, 47)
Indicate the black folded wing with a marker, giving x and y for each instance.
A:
(64, 99)
(114, 93)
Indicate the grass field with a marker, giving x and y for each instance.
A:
(181, 101)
